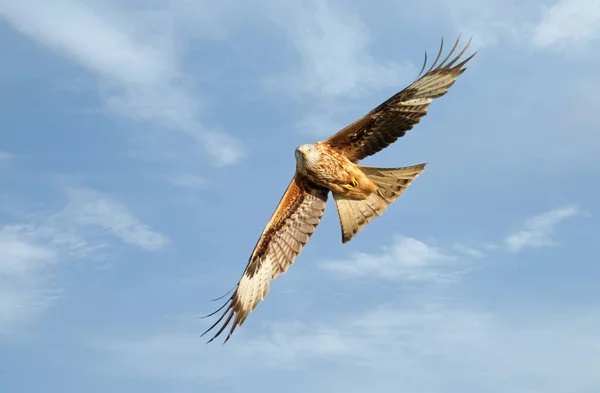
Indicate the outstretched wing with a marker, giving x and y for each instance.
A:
(294, 221)
(390, 120)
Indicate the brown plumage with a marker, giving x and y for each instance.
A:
(360, 193)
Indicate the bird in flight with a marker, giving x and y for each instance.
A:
(361, 193)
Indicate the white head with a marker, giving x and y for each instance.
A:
(307, 154)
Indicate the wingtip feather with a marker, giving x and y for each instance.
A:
(436, 65)
(423, 67)
(438, 55)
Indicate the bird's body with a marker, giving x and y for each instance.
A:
(360, 193)
(328, 167)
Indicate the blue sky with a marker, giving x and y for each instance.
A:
(145, 145)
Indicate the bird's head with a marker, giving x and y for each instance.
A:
(307, 154)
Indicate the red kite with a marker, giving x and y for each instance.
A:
(361, 193)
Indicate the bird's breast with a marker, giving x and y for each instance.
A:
(330, 167)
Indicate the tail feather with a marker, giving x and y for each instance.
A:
(391, 183)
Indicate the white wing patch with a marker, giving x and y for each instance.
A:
(252, 290)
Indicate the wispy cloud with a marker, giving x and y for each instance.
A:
(336, 68)
(87, 207)
(422, 334)
(22, 262)
(538, 231)
(547, 25)
(332, 43)
(137, 61)
(568, 22)
(365, 337)
(470, 251)
(455, 343)
(29, 251)
(412, 260)
(407, 259)
(465, 342)
(491, 22)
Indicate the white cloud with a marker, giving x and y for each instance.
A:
(568, 22)
(407, 259)
(336, 67)
(491, 22)
(19, 257)
(90, 208)
(20, 264)
(137, 59)
(333, 46)
(537, 231)
(27, 254)
(470, 251)
(412, 260)
(30, 251)
(364, 337)
(543, 24)
(430, 347)
(429, 340)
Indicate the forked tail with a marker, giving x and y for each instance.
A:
(391, 183)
